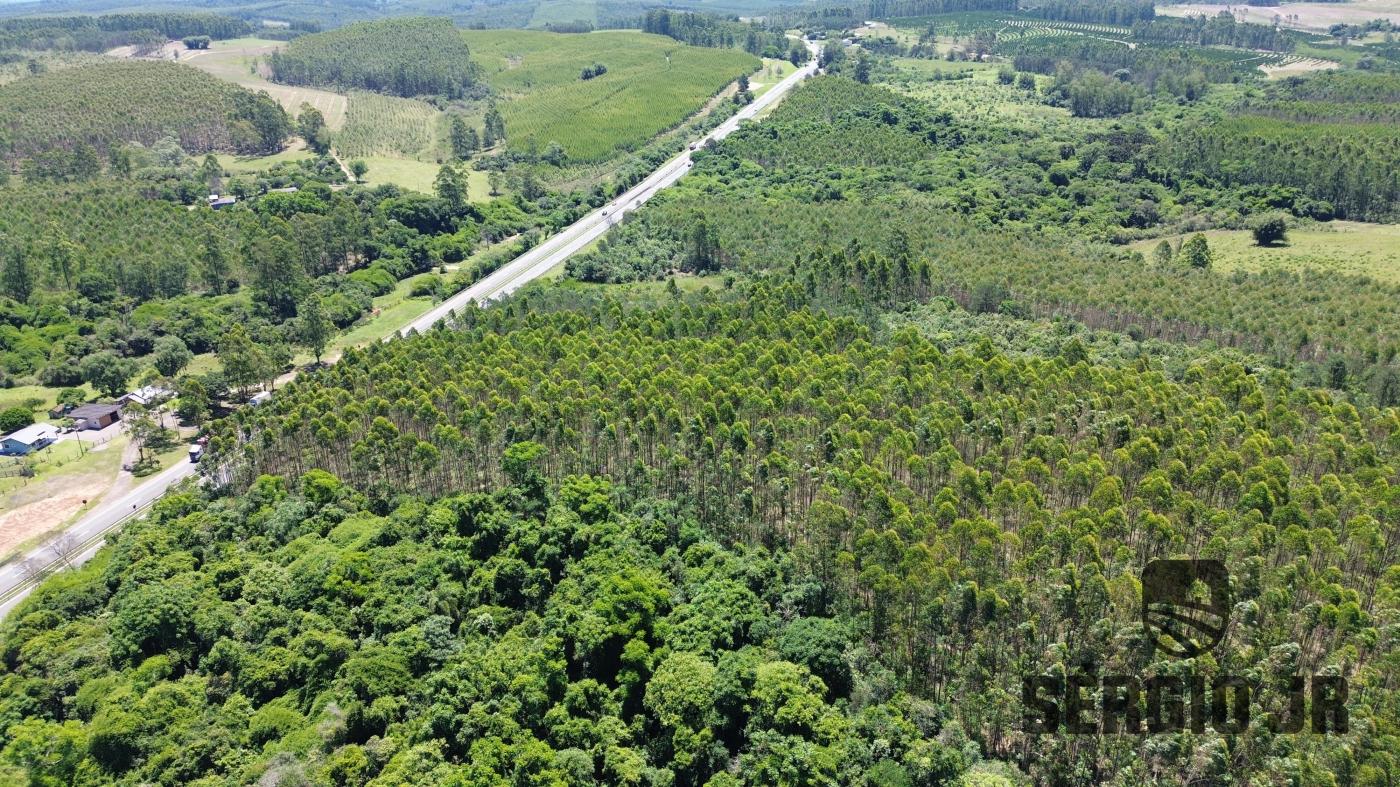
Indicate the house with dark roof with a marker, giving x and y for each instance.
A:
(95, 416)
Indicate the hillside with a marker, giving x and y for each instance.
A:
(652, 83)
(136, 101)
(401, 57)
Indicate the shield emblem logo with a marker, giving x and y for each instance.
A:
(1185, 605)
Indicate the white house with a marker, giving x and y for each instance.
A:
(146, 396)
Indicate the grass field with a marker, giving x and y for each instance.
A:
(419, 175)
(564, 11)
(652, 83)
(1343, 247)
(771, 74)
(19, 395)
(235, 60)
(242, 165)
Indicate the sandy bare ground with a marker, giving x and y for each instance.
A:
(1303, 16)
(1304, 66)
(43, 507)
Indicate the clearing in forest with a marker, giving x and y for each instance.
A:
(652, 83)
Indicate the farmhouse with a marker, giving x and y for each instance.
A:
(95, 416)
(146, 396)
(217, 202)
(27, 440)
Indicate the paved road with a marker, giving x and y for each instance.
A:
(559, 247)
(81, 541)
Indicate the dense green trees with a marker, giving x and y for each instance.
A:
(579, 635)
(922, 496)
(102, 105)
(403, 57)
(100, 33)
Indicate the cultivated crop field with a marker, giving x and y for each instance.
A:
(652, 83)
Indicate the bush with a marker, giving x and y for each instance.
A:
(15, 418)
(1269, 229)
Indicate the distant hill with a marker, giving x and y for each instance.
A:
(401, 57)
(140, 101)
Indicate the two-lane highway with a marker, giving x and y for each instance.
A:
(81, 541)
(559, 247)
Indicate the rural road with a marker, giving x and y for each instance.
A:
(80, 542)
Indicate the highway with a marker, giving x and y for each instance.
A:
(81, 541)
(559, 247)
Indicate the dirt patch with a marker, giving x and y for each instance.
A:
(54, 506)
(1303, 66)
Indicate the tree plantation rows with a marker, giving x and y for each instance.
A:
(402, 57)
(981, 213)
(100, 105)
(968, 509)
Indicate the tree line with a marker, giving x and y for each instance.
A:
(1124, 13)
(99, 33)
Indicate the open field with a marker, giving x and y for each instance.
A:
(1343, 247)
(563, 12)
(1303, 16)
(419, 175)
(771, 74)
(35, 506)
(235, 61)
(20, 394)
(652, 83)
(241, 165)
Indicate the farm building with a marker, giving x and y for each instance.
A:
(27, 440)
(218, 202)
(95, 416)
(146, 396)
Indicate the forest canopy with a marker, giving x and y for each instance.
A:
(403, 57)
(102, 104)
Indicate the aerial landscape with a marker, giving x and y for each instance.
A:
(712, 393)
